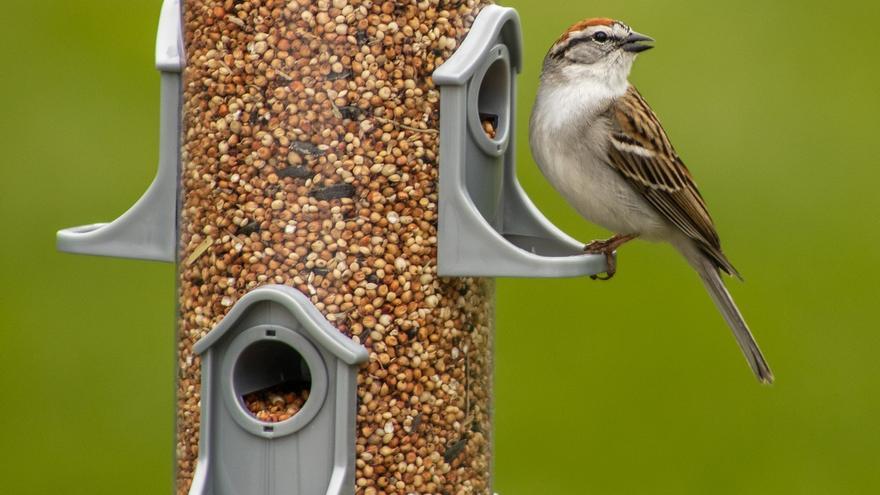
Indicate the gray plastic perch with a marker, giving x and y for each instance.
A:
(273, 335)
(488, 226)
(149, 229)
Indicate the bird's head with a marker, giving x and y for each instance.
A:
(597, 47)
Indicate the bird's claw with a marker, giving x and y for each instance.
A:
(610, 271)
(607, 247)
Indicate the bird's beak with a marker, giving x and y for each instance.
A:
(632, 43)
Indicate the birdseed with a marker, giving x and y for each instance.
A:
(489, 127)
(276, 404)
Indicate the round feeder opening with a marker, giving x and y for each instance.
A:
(493, 99)
(272, 380)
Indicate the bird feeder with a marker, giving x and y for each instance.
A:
(337, 188)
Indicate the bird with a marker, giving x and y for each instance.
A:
(602, 147)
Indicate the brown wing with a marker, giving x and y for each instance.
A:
(640, 150)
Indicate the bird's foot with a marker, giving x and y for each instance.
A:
(607, 247)
(597, 247)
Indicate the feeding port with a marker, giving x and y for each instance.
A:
(272, 379)
(493, 100)
(488, 227)
(278, 400)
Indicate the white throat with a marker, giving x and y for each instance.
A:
(580, 92)
(613, 75)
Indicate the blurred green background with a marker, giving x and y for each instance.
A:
(628, 387)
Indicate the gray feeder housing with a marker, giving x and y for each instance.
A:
(271, 336)
(148, 230)
(488, 225)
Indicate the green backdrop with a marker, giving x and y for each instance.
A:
(628, 387)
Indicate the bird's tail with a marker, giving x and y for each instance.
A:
(715, 286)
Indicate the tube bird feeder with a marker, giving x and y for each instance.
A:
(337, 188)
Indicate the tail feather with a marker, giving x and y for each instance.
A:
(711, 277)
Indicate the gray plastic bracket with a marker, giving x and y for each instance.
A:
(272, 335)
(488, 227)
(148, 230)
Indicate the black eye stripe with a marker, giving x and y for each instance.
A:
(589, 39)
(572, 42)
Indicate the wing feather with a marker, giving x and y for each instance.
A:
(642, 153)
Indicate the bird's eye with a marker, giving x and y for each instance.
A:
(601, 36)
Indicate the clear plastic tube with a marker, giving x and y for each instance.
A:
(309, 158)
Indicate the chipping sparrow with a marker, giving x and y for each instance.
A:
(601, 146)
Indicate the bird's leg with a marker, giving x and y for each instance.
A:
(607, 247)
